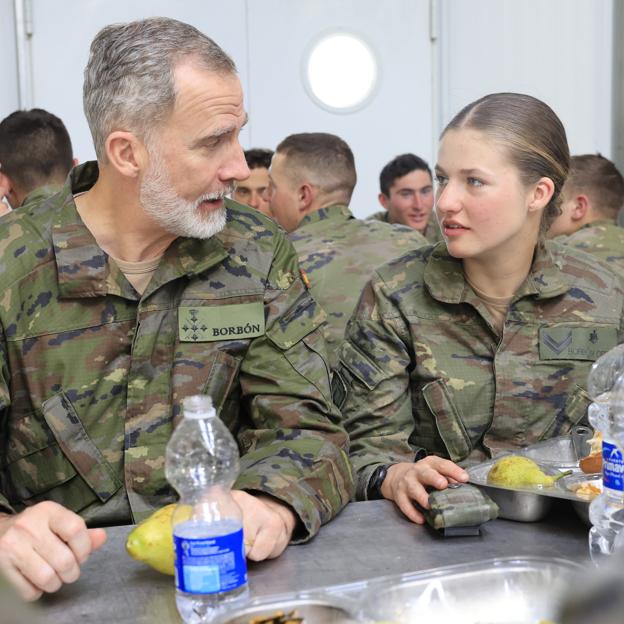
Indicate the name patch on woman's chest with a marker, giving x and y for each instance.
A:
(226, 322)
(575, 343)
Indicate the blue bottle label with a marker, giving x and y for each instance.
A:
(210, 565)
(612, 467)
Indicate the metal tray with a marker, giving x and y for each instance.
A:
(532, 504)
(501, 591)
(507, 590)
(314, 611)
(571, 482)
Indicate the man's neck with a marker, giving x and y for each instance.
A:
(111, 211)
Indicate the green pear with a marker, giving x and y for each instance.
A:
(517, 471)
(151, 541)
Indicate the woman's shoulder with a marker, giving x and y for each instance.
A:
(409, 267)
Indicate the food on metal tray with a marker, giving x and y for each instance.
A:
(518, 471)
(593, 462)
(278, 618)
(586, 489)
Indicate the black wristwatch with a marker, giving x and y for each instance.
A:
(373, 491)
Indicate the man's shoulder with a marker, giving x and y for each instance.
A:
(582, 269)
(26, 237)
(244, 222)
(382, 215)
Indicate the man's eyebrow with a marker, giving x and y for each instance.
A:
(219, 132)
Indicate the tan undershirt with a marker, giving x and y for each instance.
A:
(496, 306)
(138, 274)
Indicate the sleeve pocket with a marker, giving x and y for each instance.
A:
(447, 419)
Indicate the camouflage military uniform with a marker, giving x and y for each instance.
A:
(41, 194)
(422, 371)
(93, 374)
(339, 253)
(603, 239)
(432, 232)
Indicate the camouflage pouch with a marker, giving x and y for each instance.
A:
(459, 506)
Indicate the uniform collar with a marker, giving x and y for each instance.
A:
(84, 269)
(337, 212)
(444, 276)
(597, 222)
(41, 193)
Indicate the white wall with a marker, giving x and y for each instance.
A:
(9, 100)
(557, 50)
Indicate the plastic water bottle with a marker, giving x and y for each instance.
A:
(606, 414)
(202, 463)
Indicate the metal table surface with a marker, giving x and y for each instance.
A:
(366, 540)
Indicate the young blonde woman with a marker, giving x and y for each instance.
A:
(483, 342)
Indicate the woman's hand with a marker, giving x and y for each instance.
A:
(405, 483)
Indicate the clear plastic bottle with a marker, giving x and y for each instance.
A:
(202, 463)
(606, 415)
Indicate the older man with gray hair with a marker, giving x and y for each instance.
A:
(140, 284)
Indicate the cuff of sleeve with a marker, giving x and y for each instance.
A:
(363, 481)
(365, 474)
(302, 503)
(5, 507)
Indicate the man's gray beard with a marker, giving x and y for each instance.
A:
(174, 214)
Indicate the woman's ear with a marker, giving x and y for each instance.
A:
(541, 194)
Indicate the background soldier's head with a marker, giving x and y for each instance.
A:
(252, 190)
(406, 191)
(309, 171)
(35, 151)
(165, 107)
(594, 191)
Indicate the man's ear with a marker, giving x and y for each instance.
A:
(306, 194)
(126, 153)
(581, 207)
(384, 200)
(5, 185)
(541, 194)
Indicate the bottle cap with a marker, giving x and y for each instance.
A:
(198, 406)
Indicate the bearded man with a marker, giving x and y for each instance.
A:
(140, 284)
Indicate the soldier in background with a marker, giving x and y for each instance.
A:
(312, 178)
(592, 197)
(460, 351)
(251, 190)
(35, 156)
(140, 284)
(406, 193)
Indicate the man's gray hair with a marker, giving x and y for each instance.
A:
(129, 78)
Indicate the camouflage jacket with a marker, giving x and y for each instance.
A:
(339, 254)
(603, 239)
(422, 371)
(432, 232)
(41, 194)
(93, 374)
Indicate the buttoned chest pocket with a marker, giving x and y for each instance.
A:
(51, 457)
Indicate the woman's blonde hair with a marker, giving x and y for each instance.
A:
(532, 134)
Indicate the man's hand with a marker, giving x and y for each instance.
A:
(43, 547)
(405, 483)
(267, 525)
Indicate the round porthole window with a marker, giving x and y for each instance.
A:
(340, 72)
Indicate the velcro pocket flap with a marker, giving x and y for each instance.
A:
(78, 448)
(448, 421)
